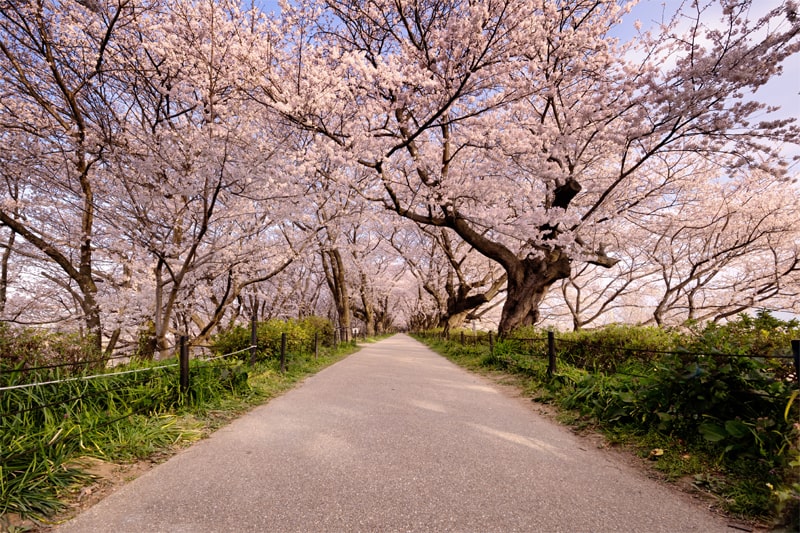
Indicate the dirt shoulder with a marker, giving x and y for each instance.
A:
(513, 387)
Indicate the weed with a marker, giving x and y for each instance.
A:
(717, 402)
(125, 417)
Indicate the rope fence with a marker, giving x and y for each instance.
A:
(55, 409)
(669, 352)
(225, 356)
(477, 338)
(85, 378)
(182, 364)
(85, 362)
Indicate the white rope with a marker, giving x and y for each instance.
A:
(229, 354)
(84, 378)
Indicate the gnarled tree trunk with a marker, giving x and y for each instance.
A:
(528, 282)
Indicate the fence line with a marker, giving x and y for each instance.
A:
(61, 365)
(183, 364)
(551, 341)
(90, 405)
(183, 377)
(85, 378)
(109, 374)
(216, 357)
(671, 352)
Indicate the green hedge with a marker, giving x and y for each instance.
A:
(299, 337)
(715, 390)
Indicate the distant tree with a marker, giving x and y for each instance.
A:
(457, 278)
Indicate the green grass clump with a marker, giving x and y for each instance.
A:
(46, 431)
(713, 413)
(299, 334)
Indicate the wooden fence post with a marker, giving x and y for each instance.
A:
(283, 352)
(462, 338)
(551, 353)
(316, 345)
(491, 345)
(183, 363)
(253, 339)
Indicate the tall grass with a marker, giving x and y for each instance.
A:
(719, 402)
(46, 430)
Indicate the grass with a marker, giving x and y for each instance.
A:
(750, 476)
(121, 419)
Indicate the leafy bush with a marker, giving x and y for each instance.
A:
(761, 336)
(234, 340)
(299, 337)
(615, 346)
(28, 347)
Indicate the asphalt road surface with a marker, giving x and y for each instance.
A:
(395, 438)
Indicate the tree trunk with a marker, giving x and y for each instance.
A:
(81, 275)
(528, 278)
(528, 282)
(9, 245)
(452, 321)
(366, 301)
(333, 267)
(460, 304)
(93, 323)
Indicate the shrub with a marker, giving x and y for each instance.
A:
(616, 345)
(299, 337)
(762, 336)
(28, 347)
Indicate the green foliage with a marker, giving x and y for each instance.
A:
(718, 390)
(42, 428)
(45, 430)
(299, 335)
(760, 336)
(615, 346)
(28, 347)
(234, 340)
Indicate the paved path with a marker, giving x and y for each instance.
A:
(394, 438)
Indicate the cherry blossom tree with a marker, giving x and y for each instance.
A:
(727, 250)
(133, 163)
(195, 174)
(593, 295)
(53, 60)
(712, 251)
(174, 166)
(457, 278)
(520, 125)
